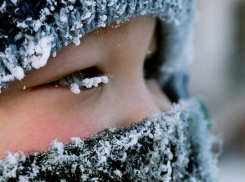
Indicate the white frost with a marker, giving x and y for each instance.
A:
(3, 7)
(96, 81)
(12, 161)
(59, 146)
(36, 25)
(22, 24)
(103, 18)
(42, 50)
(14, 1)
(118, 173)
(86, 16)
(88, 82)
(63, 16)
(75, 88)
(18, 72)
(111, 3)
(104, 79)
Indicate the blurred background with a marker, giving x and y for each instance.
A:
(218, 74)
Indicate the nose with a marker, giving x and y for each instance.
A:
(145, 100)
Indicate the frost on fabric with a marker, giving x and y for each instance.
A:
(38, 54)
(39, 29)
(173, 146)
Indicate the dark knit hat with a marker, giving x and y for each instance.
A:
(32, 31)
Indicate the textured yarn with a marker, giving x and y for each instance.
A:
(31, 31)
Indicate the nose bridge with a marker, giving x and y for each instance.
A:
(140, 104)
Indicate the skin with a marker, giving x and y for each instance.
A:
(32, 118)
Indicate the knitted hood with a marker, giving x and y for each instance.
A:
(32, 31)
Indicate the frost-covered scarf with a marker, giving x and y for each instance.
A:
(33, 30)
(173, 146)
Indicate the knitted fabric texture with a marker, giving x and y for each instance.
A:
(31, 31)
(173, 146)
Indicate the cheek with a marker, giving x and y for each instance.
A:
(31, 125)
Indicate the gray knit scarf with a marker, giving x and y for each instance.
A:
(173, 146)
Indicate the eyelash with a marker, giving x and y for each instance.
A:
(71, 78)
(79, 75)
(82, 79)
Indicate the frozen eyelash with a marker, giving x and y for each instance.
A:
(80, 79)
(69, 79)
(95, 81)
(88, 83)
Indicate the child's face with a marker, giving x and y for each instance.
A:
(32, 118)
